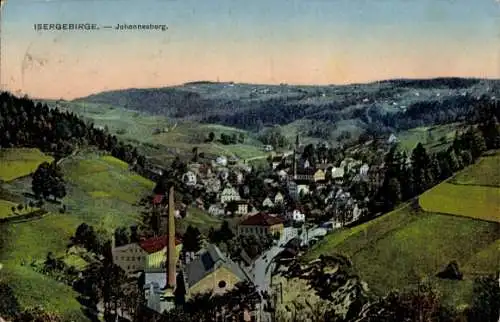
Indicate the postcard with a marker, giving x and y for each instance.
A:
(230, 160)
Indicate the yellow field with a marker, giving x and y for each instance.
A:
(463, 200)
(16, 163)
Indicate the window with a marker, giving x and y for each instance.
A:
(222, 284)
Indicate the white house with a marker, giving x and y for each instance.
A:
(216, 210)
(392, 139)
(221, 160)
(229, 194)
(296, 216)
(267, 203)
(189, 178)
(307, 164)
(337, 173)
(363, 171)
(282, 174)
(279, 199)
(268, 148)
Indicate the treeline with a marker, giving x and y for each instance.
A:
(407, 177)
(26, 124)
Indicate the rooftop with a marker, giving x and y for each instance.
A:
(155, 244)
(262, 219)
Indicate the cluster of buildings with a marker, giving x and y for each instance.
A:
(159, 260)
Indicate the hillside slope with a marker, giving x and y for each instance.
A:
(411, 245)
(391, 105)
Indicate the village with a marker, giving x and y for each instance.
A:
(301, 197)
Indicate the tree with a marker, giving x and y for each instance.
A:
(211, 137)
(37, 314)
(47, 181)
(486, 300)
(9, 306)
(191, 241)
(122, 236)
(241, 137)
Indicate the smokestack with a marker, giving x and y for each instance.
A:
(171, 253)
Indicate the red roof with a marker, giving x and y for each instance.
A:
(158, 199)
(155, 244)
(262, 219)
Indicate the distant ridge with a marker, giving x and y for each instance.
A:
(326, 111)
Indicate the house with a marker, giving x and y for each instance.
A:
(212, 185)
(282, 174)
(267, 203)
(261, 224)
(296, 216)
(242, 207)
(216, 210)
(212, 272)
(363, 171)
(221, 160)
(189, 178)
(297, 187)
(237, 177)
(306, 174)
(133, 257)
(319, 176)
(268, 148)
(157, 254)
(392, 139)
(307, 164)
(279, 199)
(338, 174)
(229, 194)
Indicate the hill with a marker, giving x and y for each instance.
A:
(412, 244)
(386, 106)
(162, 138)
(101, 192)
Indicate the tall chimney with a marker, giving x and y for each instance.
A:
(171, 253)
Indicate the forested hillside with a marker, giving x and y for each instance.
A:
(386, 106)
(26, 124)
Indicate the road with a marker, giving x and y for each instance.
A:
(262, 269)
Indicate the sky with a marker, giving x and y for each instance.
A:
(258, 41)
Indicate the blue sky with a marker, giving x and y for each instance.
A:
(266, 41)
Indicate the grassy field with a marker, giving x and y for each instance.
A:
(201, 220)
(6, 209)
(408, 246)
(484, 173)
(32, 240)
(430, 137)
(455, 222)
(32, 289)
(16, 163)
(101, 192)
(179, 138)
(462, 200)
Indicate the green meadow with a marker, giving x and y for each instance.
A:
(20, 162)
